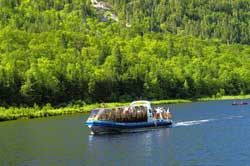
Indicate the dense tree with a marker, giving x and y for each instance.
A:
(228, 20)
(62, 51)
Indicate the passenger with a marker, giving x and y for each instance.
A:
(126, 114)
(142, 108)
(154, 113)
(158, 113)
(138, 116)
(109, 115)
(144, 116)
(126, 110)
(168, 114)
(118, 114)
(137, 109)
(130, 109)
(134, 115)
(106, 114)
(123, 115)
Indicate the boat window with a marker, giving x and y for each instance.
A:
(142, 108)
(103, 114)
(137, 108)
(93, 113)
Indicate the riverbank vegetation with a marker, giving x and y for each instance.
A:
(14, 113)
(240, 97)
(60, 52)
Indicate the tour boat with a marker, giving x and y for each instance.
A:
(137, 116)
(240, 103)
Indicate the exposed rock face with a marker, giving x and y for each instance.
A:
(99, 5)
(105, 7)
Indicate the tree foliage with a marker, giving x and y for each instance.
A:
(60, 51)
(227, 20)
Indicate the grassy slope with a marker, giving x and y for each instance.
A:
(14, 113)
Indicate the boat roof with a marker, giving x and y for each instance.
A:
(140, 102)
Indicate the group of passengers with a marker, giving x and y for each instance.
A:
(126, 114)
(131, 114)
(161, 113)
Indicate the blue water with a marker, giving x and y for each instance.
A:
(204, 133)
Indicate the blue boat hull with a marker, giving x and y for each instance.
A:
(99, 127)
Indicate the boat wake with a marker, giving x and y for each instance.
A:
(197, 122)
(191, 123)
(234, 117)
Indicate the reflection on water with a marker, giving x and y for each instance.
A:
(146, 136)
(139, 145)
(91, 137)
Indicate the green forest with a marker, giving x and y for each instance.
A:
(62, 51)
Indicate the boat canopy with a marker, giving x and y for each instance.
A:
(141, 102)
(120, 114)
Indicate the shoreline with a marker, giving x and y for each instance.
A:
(15, 113)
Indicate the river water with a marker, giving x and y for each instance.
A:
(204, 134)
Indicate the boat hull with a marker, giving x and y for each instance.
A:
(239, 104)
(100, 127)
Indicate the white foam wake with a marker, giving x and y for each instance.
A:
(195, 122)
(234, 117)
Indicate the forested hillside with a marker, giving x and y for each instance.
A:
(227, 20)
(61, 51)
